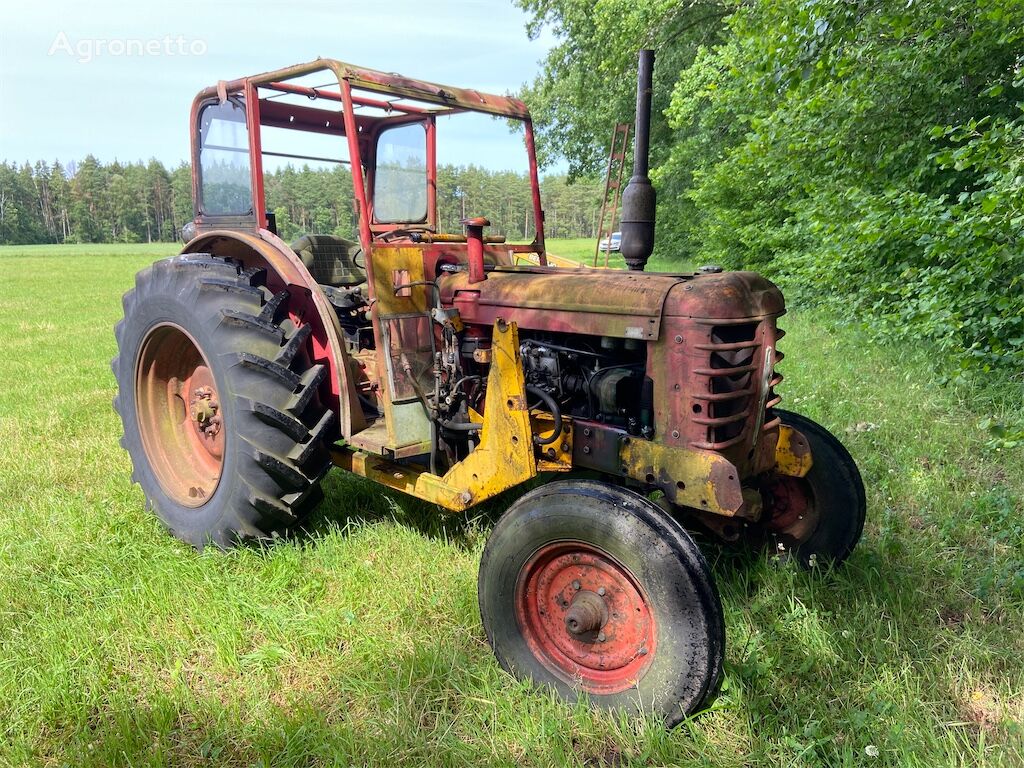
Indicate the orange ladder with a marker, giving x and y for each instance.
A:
(612, 186)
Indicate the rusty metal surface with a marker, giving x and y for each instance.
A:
(699, 479)
(791, 513)
(431, 93)
(504, 457)
(374, 439)
(585, 617)
(713, 368)
(401, 323)
(475, 248)
(412, 480)
(792, 453)
(444, 96)
(597, 447)
(727, 296)
(580, 300)
(178, 408)
(360, 131)
(557, 455)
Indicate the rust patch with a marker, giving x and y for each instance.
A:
(725, 481)
(792, 453)
(594, 302)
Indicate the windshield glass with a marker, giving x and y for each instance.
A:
(483, 170)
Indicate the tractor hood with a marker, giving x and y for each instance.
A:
(603, 302)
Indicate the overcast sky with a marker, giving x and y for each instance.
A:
(68, 87)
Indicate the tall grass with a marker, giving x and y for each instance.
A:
(360, 643)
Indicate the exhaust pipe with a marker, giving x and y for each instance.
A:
(638, 199)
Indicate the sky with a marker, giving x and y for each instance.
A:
(73, 82)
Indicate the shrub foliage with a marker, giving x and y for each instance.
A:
(867, 155)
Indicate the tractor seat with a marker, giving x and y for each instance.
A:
(330, 259)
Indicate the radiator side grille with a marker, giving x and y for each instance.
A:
(739, 391)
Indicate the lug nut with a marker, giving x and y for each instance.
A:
(600, 591)
(576, 584)
(600, 637)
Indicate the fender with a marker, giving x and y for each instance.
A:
(284, 269)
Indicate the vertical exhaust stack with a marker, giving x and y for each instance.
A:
(638, 199)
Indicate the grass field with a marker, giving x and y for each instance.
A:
(581, 249)
(360, 642)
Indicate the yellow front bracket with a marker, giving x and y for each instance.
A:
(502, 459)
(792, 453)
(699, 479)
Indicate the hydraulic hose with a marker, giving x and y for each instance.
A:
(460, 426)
(556, 412)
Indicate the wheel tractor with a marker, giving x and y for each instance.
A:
(454, 366)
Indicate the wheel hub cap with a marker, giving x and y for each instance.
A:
(791, 515)
(585, 617)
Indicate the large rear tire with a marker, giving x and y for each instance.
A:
(592, 589)
(218, 397)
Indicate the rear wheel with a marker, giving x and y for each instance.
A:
(592, 589)
(818, 518)
(219, 401)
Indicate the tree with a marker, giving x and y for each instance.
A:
(865, 155)
(88, 207)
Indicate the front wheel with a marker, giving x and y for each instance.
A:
(818, 518)
(592, 589)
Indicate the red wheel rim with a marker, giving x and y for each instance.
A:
(612, 642)
(792, 515)
(179, 415)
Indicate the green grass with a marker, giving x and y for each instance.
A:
(360, 643)
(581, 249)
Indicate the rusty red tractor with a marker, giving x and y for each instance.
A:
(455, 366)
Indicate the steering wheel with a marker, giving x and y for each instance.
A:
(395, 234)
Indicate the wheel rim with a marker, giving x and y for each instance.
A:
(179, 415)
(585, 617)
(792, 514)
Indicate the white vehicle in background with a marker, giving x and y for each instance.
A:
(611, 243)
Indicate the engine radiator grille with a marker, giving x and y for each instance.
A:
(738, 371)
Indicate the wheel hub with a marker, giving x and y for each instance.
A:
(790, 513)
(585, 617)
(587, 613)
(180, 417)
(204, 409)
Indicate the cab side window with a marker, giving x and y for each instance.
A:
(400, 183)
(225, 180)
